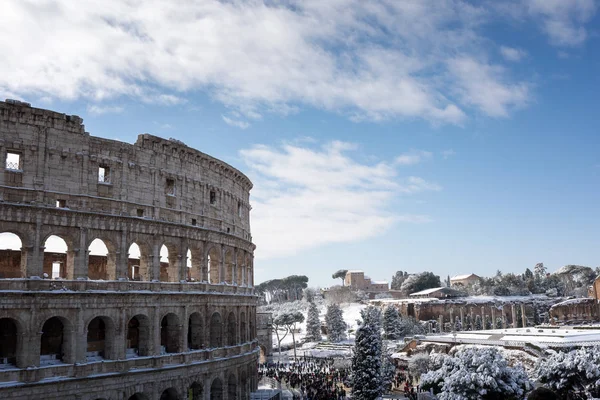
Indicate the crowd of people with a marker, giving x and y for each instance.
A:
(313, 379)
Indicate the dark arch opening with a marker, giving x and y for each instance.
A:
(216, 390)
(96, 340)
(138, 396)
(102, 260)
(8, 342)
(52, 344)
(216, 337)
(195, 392)
(170, 334)
(243, 385)
(195, 332)
(169, 394)
(231, 388)
(138, 336)
(231, 325)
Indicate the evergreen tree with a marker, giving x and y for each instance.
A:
(391, 323)
(367, 359)
(488, 322)
(478, 324)
(336, 327)
(313, 324)
(519, 319)
(499, 323)
(468, 323)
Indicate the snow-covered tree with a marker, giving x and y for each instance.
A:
(367, 379)
(391, 323)
(498, 323)
(313, 324)
(409, 327)
(286, 323)
(334, 320)
(573, 372)
(418, 364)
(478, 324)
(475, 373)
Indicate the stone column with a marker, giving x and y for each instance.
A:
(441, 324)
(462, 318)
(493, 317)
(80, 338)
(122, 270)
(222, 265)
(32, 254)
(79, 256)
(155, 263)
(154, 335)
(513, 315)
(184, 329)
(523, 316)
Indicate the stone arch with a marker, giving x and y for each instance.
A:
(14, 262)
(251, 325)
(138, 336)
(138, 260)
(229, 266)
(138, 396)
(214, 264)
(196, 273)
(244, 385)
(241, 268)
(243, 328)
(231, 329)
(100, 339)
(10, 341)
(58, 258)
(169, 262)
(102, 259)
(56, 341)
(195, 332)
(216, 389)
(262, 358)
(195, 391)
(231, 387)
(216, 331)
(169, 394)
(170, 334)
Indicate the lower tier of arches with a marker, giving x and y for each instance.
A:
(233, 378)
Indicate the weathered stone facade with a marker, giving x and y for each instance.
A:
(112, 327)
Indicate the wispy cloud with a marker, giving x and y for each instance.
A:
(366, 60)
(235, 122)
(412, 157)
(512, 54)
(95, 109)
(448, 153)
(305, 197)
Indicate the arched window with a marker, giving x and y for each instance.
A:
(214, 264)
(56, 264)
(231, 388)
(231, 328)
(243, 333)
(10, 254)
(8, 342)
(96, 340)
(169, 394)
(216, 334)
(52, 342)
(170, 334)
(216, 390)
(195, 392)
(195, 332)
(101, 262)
(138, 335)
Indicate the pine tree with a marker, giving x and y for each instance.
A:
(313, 324)
(336, 327)
(498, 323)
(488, 322)
(391, 323)
(367, 359)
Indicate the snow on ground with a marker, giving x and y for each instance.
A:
(351, 315)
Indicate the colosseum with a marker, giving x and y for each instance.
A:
(164, 310)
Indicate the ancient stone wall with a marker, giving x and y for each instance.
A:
(118, 326)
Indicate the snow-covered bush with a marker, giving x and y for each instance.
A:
(576, 371)
(475, 373)
(419, 364)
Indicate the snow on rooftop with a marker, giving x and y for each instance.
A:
(379, 282)
(461, 277)
(427, 291)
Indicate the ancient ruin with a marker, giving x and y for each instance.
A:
(127, 325)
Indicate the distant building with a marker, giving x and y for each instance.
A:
(464, 280)
(356, 280)
(438, 293)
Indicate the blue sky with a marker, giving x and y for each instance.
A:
(450, 136)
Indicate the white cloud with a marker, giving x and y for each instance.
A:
(448, 153)
(305, 197)
(95, 109)
(366, 60)
(512, 54)
(564, 21)
(235, 122)
(412, 157)
(486, 87)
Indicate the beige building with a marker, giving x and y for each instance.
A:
(464, 280)
(357, 280)
(128, 325)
